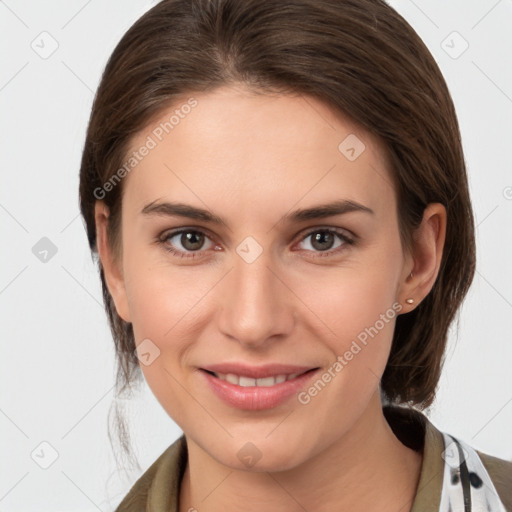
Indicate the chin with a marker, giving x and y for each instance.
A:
(259, 453)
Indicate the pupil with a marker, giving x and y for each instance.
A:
(322, 237)
(191, 240)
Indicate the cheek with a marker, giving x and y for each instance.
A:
(355, 311)
(171, 306)
(167, 308)
(159, 294)
(163, 301)
(348, 301)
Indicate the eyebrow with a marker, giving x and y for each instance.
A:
(173, 209)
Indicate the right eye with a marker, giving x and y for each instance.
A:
(191, 241)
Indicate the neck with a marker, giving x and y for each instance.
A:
(367, 469)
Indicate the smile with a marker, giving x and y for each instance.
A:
(245, 382)
(253, 389)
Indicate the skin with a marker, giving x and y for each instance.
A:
(251, 159)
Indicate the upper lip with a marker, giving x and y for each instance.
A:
(257, 372)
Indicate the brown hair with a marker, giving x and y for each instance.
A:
(358, 56)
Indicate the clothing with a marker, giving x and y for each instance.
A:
(466, 483)
(448, 482)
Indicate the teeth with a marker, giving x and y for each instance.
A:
(243, 381)
(230, 377)
(246, 382)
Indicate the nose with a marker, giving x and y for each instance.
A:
(256, 307)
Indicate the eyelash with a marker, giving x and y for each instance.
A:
(163, 240)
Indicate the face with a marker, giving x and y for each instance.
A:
(265, 283)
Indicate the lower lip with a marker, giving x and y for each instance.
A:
(256, 398)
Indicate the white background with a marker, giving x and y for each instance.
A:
(57, 366)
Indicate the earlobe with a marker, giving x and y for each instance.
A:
(110, 263)
(427, 252)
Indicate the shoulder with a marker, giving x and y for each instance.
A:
(416, 431)
(500, 471)
(159, 484)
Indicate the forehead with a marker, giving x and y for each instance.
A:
(256, 149)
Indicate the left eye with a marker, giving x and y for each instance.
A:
(324, 240)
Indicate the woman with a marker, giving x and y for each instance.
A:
(277, 194)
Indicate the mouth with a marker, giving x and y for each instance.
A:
(256, 388)
(245, 381)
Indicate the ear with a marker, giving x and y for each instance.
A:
(111, 264)
(424, 260)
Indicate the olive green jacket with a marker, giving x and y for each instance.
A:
(157, 490)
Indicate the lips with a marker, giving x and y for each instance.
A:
(256, 388)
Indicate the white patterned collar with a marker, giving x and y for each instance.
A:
(467, 486)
